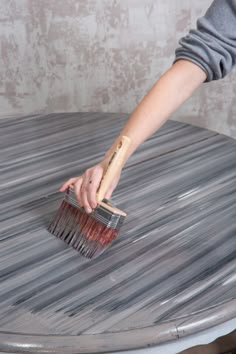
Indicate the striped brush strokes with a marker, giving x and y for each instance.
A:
(172, 270)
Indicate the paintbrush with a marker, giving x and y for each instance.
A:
(92, 233)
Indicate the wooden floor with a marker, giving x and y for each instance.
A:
(172, 270)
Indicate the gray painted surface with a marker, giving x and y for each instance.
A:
(169, 274)
(103, 55)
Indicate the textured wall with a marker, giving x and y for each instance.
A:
(101, 55)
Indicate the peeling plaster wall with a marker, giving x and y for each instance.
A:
(100, 55)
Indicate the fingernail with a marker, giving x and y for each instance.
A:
(89, 210)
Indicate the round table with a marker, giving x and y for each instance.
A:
(169, 276)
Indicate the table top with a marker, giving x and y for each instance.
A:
(170, 273)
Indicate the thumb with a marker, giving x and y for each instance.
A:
(112, 187)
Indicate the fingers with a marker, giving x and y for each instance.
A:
(70, 182)
(91, 182)
(86, 187)
(84, 191)
(77, 189)
(94, 180)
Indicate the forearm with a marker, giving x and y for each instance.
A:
(171, 90)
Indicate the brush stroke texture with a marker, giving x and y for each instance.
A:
(173, 265)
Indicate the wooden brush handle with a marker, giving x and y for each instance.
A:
(114, 166)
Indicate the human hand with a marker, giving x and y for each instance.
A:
(87, 185)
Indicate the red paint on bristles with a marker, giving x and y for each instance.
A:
(81, 231)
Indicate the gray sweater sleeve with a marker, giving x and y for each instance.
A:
(212, 46)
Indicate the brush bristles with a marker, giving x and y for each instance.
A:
(81, 231)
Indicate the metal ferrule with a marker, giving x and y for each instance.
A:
(101, 214)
